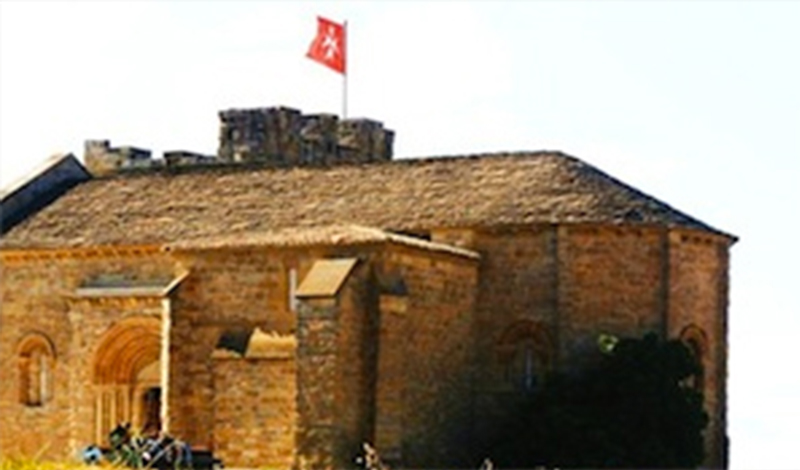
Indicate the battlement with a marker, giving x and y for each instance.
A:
(102, 159)
(278, 136)
(286, 137)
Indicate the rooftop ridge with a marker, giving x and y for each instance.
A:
(262, 166)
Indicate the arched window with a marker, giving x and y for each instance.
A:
(697, 342)
(36, 361)
(525, 354)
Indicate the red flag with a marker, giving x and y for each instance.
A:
(328, 48)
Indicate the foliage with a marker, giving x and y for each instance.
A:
(633, 408)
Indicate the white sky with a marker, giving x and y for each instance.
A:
(696, 103)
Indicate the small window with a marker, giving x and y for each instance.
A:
(36, 362)
(525, 353)
(697, 342)
(525, 368)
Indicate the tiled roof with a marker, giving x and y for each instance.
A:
(403, 195)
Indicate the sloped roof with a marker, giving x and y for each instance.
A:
(402, 195)
(43, 185)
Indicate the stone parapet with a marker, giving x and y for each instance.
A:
(175, 158)
(286, 137)
(102, 159)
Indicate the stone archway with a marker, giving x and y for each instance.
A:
(127, 375)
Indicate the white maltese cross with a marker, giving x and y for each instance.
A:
(330, 44)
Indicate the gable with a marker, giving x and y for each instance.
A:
(33, 192)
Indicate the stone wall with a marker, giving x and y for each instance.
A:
(286, 137)
(575, 282)
(426, 358)
(227, 289)
(416, 337)
(518, 279)
(34, 294)
(611, 280)
(371, 371)
(698, 298)
(255, 411)
(276, 136)
(102, 159)
(335, 378)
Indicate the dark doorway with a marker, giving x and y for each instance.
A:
(151, 408)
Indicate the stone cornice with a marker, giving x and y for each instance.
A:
(106, 251)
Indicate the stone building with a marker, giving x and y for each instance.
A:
(301, 292)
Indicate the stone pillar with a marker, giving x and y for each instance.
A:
(392, 340)
(319, 436)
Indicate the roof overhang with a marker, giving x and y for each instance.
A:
(97, 288)
(328, 235)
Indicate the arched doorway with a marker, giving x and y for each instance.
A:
(127, 376)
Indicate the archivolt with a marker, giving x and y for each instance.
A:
(697, 340)
(526, 331)
(126, 348)
(525, 352)
(33, 341)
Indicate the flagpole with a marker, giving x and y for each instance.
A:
(344, 75)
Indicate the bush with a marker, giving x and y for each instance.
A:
(633, 409)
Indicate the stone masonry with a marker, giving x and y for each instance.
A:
(206, 294)
(284, 136)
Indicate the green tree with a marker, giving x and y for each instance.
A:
(633, 408)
